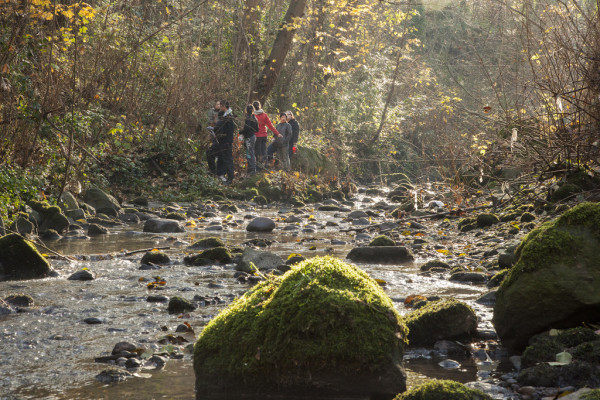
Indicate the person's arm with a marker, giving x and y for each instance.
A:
(269, 125)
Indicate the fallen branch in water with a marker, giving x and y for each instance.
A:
(129, 253)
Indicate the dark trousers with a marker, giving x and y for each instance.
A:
(211, 157)
(225, 161)
(260, 149)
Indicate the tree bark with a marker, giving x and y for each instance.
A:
(281, 46)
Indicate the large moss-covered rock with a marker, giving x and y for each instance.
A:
(382, 240)
(102, 202)
(207, 243)
(443, 390)
(556, 280)
(209, 256)
(442, 319)
(19, 259)
(311, 162)
(324, 328)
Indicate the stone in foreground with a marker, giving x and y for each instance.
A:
(555, 282)
(325, 328)
(443, 390)
(442, 319)
(381, 255)
(261, 224)
(19, 259)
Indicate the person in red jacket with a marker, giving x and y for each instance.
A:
(260, 148)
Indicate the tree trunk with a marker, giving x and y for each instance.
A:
(281, 46)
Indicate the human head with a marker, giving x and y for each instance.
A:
(282, 117)
(289, 115)
(224, 105)
(217, 105)
(249, 109)
(256, 105)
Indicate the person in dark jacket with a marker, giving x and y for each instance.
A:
(281, 143)
(224, 131)
(213, 151)
(295, 131)
(249, 133)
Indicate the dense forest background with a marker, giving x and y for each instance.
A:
(115, 92)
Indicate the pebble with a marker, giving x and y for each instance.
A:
(113, 376)
(157, 299)
(93, 321)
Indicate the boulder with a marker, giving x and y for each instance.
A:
(263, 260)
(443, 389)
(75, 214)
(554, 283)
(102, 202)
(209, 256)
(358, 214)
(96, 229)
(19, 259)
(178, 305)
(441, 319)
(324, 328)
(54, 220)
(261, 224)
(155, 257)
(159, 225)
(68, 201)
(22, 226)
(382, 240)
(207, 243)
(381, 255)
(469, 277)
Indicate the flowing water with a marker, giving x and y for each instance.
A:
(48, 351)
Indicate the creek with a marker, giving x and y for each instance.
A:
(48, 351)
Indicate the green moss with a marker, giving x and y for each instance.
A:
(569, 239)
(467, 224)
(262, 200)
(527, 217)
(485, 220)
(248, 194)
(337, 195)
(208, 243)
(434, 264)
(442, 319)
(498, 277)
(443, 390)
(313, 195)
(220, 254)
(593, 394)
(565, 191)
(510, 216)
(543, 350)
(176, 216)
(130, 210)
(19, 259)
(322, 314)
(575, 336)
(42, 207)
(382, 240)
(589, 351)
(155, 257)
(272, 193)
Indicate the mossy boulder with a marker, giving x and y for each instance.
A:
(467, 224)
(485, 220)
(555, 282)
(312, 162)
(527, 217)
(313, 195)
(382, 240)
(209, 256)
(19, 259)
(272, 193)
(96, 229)
(207, 243)
(578, 374)
(22, 225)
(435, 265)
(155, 257)
(443, 390)
(178, 305)
(260, 200)
(323, 328)
(497, 278)
(102, 201)
(177, 216)
(544, 347)
(441, 319)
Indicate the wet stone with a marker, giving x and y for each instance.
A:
(157, 299)
(132, 363)
(149, 267)
(93, 321)
(19, 300)
(83, 275)
(123, 346)
(113, 376)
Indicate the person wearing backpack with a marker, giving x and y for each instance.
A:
(224, 130)
(249, 133)
(282, 142)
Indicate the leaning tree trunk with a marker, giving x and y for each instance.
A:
(281, 46)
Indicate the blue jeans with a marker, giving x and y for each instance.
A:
(250, 142)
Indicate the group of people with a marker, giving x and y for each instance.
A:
(221, 124)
